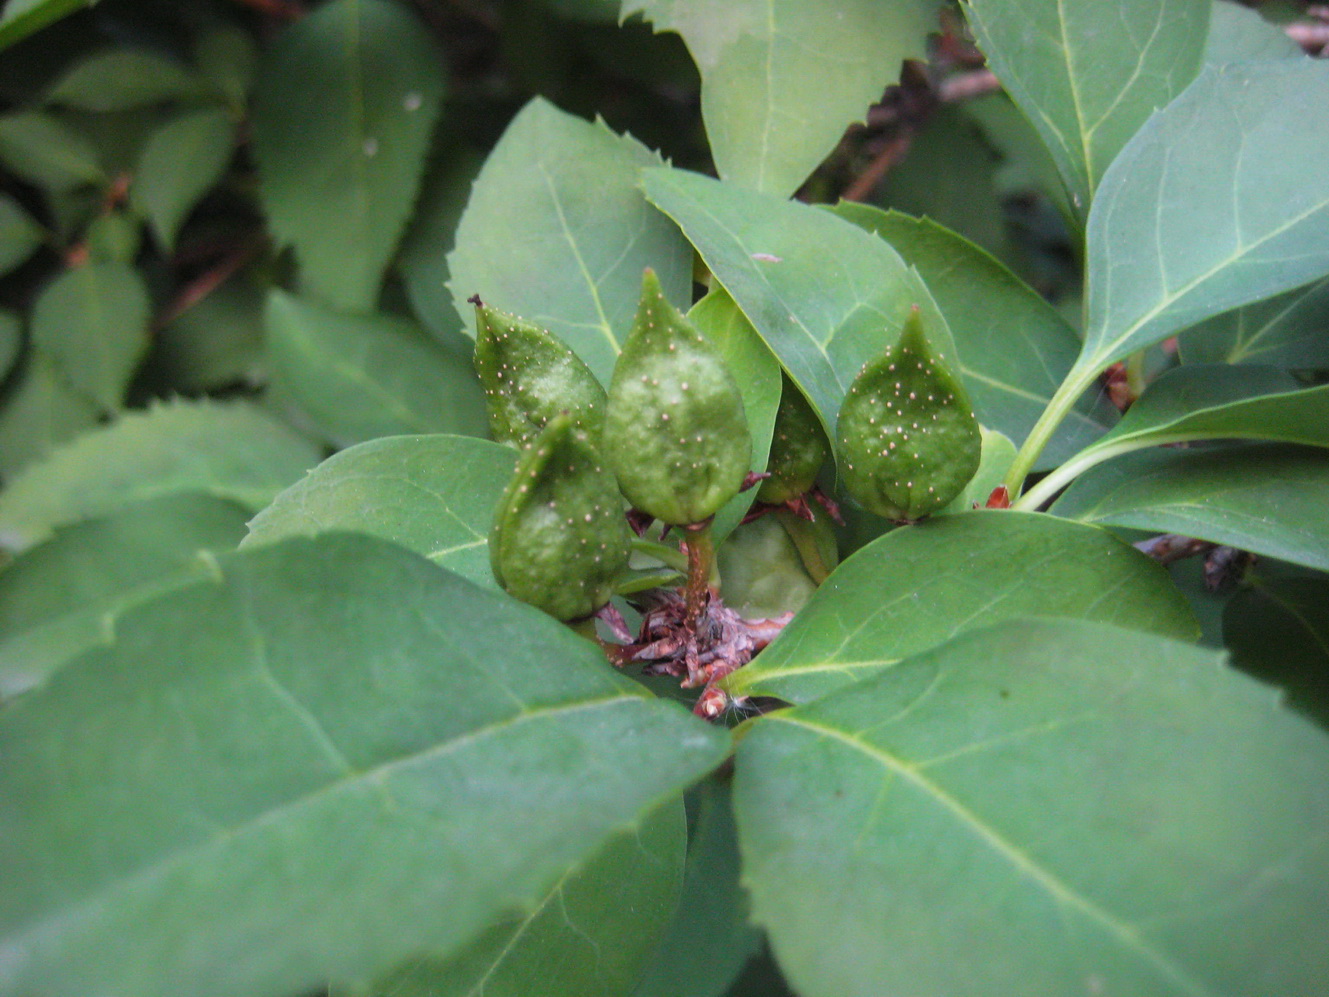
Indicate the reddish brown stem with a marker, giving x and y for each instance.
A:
(701, 556)
(199, 288)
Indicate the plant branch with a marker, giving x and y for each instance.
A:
(207, 282)
(1060, 405)
(891, 153)
(701, 557)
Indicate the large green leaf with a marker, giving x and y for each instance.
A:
(1042, 808)
(63, 596)
(181, 161)
(230, 450)
(1088, 74)
(363, 376)
(45, 152)
(1238, 34)
(781, 79)
(343, 111)
(1266, 498)
(434, 495)
(327, 759)
(1196, 215)
(1204, 402)
(1278, 631)
(41, 411)
(557, 231)
(825, 295)
(919, 586)
(123, 78)
(757, 372)
(1286, 330)
(22, 17)
(19, 235)
(587, 937)
(709, 939)
(1014, 348)
(93, 323)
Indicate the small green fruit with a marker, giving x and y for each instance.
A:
(560, 538)
(907, 438)
(530, 376)
(675, 431)
(798, 448)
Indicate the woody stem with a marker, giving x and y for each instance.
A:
(701, 557)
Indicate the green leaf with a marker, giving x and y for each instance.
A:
(1216, 401)
(1278, 631)
(771, 254)
(216, 343)
(24, 17)
(345, 104)
(44, 152)
(324, 719)
(1239, 34)
(19, 235)
(228, 58)
(1088, 74)
(557, 232)
(180, 163)
(1196, 216)
(114, 237)
(709, 939)
(1014, 348)
(1266, 498)
(64, 596)
(11, 341)
(41, 411)
(362, 376)
(93, 322)
(123, 78)
(587, 937)
(920, 586)
(231, 450)
(1041, 808)
(1286, 330)
(423, 260)
(781, 80)
(757, 372)
(434, 495)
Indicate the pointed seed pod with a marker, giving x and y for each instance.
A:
(559, 538)
(675, 431)
(907, 438)
(798, 448)
(529, 376)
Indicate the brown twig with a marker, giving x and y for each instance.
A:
(881, 163)
(207, 282)
(965, 86)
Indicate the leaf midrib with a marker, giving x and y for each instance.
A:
(1059, 890)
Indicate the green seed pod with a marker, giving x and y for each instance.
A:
(907, 438)
(798, 448)
(675, 432)
(560, 537)
(530, 376)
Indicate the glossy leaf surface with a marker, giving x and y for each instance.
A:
(325, 718)
(434, 495)
(1088, 74)
(63, 596)
(230, 450)
(781, 80)
(1041, 808)
(587, 937)
(826, 296)
(1196, 217)
(342, 116)
(920, 586)
(558, 233)
(1265, 498)
(358, 377)
(1278, 631)
(1286, 330)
